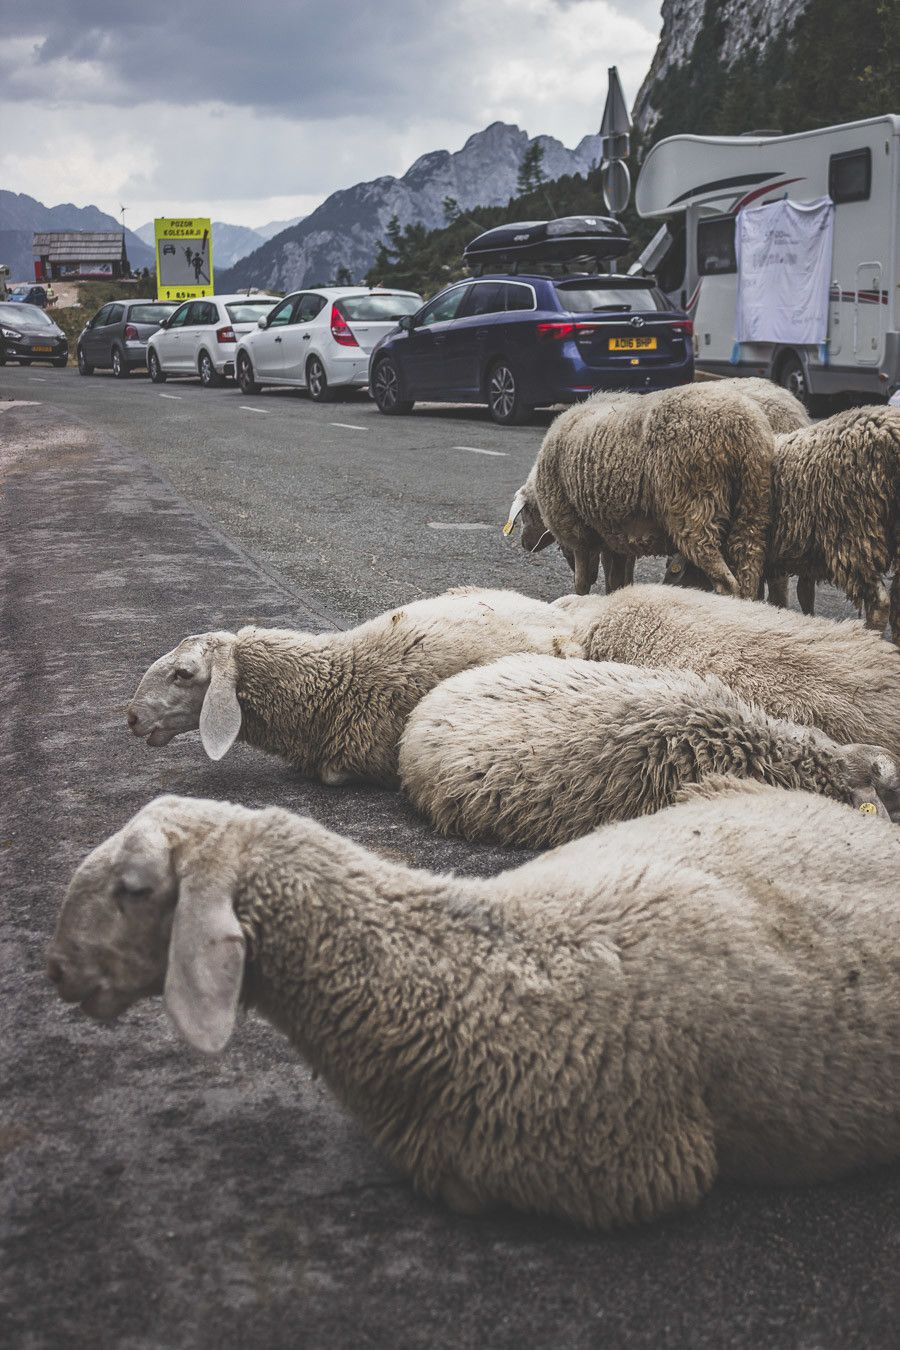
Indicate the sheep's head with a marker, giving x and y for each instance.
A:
(873, 775)
(535, 535)
(194, 685)
(680, 572)
(149, 912)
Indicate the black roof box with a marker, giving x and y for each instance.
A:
(560, 240)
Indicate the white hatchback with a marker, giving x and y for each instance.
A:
(201, 337)
(321, 339)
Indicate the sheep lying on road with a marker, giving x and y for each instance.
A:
(835, 515)
(711, 991)
(335, 705)
(631, 474)
(535, 752)
(836, 676)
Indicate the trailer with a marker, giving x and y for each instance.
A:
(700, 185)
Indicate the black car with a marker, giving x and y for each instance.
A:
(28, 334)
(116, 337)
(522, 340)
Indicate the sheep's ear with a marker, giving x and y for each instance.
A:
(220, 716)
(518, 505)
(206, 963)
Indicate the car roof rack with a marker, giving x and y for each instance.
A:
(566, 241)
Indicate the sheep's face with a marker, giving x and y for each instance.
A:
(151, 912)
(873, 774)
(169, 699)
(524, 510)
(112, 937)
(680, 572)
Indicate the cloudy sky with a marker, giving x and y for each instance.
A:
(252, 110)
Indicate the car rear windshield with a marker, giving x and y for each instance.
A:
(25, 316)
(591, 298)
(150, 313)
(378, 307)
(249, 311)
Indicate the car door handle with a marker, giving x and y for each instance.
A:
(439, 339)
(278, 339)
(306, 337)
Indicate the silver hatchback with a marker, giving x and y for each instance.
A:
(116, 337)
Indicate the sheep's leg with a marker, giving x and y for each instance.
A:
(703, 551)
(587, 566)
(778, 589)
(618, 570)
(877, 606)
(806, 593)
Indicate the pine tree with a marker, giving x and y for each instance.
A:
(531, 170)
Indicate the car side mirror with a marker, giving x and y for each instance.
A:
(164, 323)
(407, 323)
(263, 322)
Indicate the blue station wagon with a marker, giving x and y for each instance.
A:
(516, 342)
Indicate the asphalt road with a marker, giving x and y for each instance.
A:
(149, 1199)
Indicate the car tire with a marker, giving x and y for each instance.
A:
(61, 362)
(120, 367)
(317, 382)
(84, 367)
(24, 361)
(157, 374)
(385, 389)
(2, 355)
(246, 382)
(504, 394)
(209, 376)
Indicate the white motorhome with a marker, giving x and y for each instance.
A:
(700, 183)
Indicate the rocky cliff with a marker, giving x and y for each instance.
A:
(344, 232)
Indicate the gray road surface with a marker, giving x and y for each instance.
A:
(150, 1199)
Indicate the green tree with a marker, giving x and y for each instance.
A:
(531, 170)
(343, 277)
(451, 210)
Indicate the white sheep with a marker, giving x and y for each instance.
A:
(534, 752)
(836, 676)
(710, 991)
(334, 705)
(628, 474)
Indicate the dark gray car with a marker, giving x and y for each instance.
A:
(28, 334)
(116, 337)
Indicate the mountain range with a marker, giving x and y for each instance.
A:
(344, 232)
(21, 215)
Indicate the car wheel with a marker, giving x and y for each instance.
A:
(317, 382)
(60, 362)
(505, 396)
(209, 376)
(119, 364)
(2, 355)
(24, 362)
(245, 375)
(792, 377)
(386, 389)
(84, 366)
(157, 374)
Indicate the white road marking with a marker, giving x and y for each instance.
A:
(170, 396)
(462, 525)
(245, 407)
(37, 379)
(474, 450)
(19, 403)
(348, 426)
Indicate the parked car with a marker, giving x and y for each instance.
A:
(321, 339)
(28, 334)
(516, 342)
(201, 337)
(116, 337)
(28, 295)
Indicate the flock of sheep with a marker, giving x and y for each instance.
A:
(701, 978)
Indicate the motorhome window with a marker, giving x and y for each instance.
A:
(670, 272)
(715, 247)
(850, 176)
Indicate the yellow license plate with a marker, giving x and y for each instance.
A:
(635, 344)
(42, 349)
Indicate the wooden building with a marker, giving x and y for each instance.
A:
(60, 255)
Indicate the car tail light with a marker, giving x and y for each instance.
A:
(340, 329)
(555, 331)
(684, 327)
(131, 333)
(225, 334)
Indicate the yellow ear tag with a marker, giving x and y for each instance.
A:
(868, 809)
(509, 527)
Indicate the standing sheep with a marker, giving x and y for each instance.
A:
(632, 474)
(711, 991)
(835, 515)
(836, 676)
(334, 705)
(533, 752)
